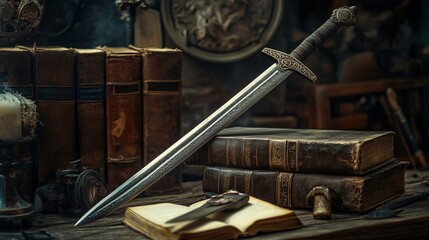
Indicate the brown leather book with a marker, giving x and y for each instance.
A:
(16, 70)
(298, 150)
(123, 114)
(286, 189)
(90, 100)
(161, 111)
(55, 99)
(16, 75)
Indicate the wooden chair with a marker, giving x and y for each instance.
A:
(334, 106)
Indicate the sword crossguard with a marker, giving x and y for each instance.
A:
(288, 62)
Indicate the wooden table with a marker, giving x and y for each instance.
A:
(412, 223)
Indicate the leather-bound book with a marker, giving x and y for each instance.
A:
(16, 76)
(16, 71)
(286, 189)
(161, 111)
(123, 114)
(298, 150)
(55, 100)
(90, 100)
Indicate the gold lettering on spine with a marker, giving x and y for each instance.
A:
(292, 156)
(226, 182)
(247, 182)
(277, 154)
(284, 189)
(230, 152)
(246, 153)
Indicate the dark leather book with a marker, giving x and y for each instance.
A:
(161, 111)
(53, 69)
(16, 71)
(123, 114)
(16, 76)
(90, 100)
(298, 150)
(286, 189)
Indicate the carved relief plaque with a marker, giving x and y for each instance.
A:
(222, 30)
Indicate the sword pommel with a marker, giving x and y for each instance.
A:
(287, 62)
(345, 15)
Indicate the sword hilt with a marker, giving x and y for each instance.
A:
(341, 16)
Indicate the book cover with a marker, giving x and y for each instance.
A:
(90, 110)
(287, 189)
(161, 111)
(298, 150)
(16, 76)
(257, 216)
(54, 81)
(123, 114)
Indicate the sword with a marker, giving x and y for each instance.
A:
(231, 110)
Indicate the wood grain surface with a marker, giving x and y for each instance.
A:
(411, 223)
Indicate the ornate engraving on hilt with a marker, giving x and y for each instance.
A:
(287, 62)
(346, 15)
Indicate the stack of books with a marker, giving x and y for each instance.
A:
(282, 166)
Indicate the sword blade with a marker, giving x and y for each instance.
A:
(188, 144)
(206, 130)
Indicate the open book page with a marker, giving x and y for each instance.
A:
(257, 216)
(151, 221)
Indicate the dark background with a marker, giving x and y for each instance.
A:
(389, 41)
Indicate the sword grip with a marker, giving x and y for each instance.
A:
(340, 16)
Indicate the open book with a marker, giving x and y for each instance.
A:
(257, 216)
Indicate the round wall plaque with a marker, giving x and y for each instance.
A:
(221, 31)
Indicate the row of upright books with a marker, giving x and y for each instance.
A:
(115, 108)
(283, 166)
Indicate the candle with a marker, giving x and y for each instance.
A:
(10, 118)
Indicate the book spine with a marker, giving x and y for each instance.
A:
(355, 193)
(90, 101)
(161, 112)
(16, 71)
(280, 155)
(16, 75)
(123, 117)
(55, 99)
(25, 176)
